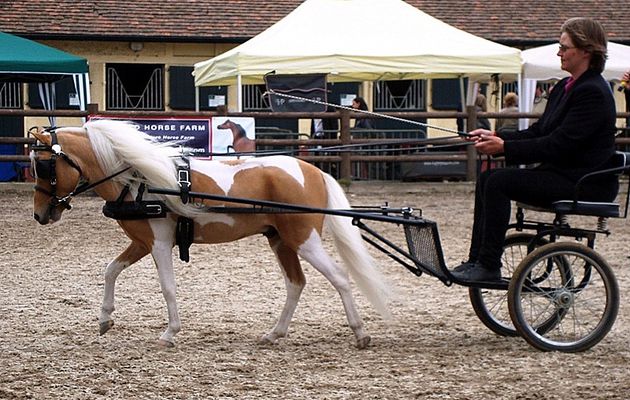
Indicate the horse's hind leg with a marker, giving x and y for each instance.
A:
(133, 253)
(294, 281)
(313, 251)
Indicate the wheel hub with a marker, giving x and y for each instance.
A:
(564, 299)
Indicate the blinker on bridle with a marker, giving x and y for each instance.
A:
(46, 169)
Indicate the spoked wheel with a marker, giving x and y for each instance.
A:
(491, 305)
(569, 286)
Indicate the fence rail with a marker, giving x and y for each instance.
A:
(304, 149)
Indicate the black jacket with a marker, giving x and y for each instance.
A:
(576, 133)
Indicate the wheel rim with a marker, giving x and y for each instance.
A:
(579, 295)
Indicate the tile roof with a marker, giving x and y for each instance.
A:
(506, 21)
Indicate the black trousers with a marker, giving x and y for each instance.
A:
(496, 189)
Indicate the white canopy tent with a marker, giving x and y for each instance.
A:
(543, 64)
(359, 40)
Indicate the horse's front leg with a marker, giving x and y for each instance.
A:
(163, 256)
(134, 252)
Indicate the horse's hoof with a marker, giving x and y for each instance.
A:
(363, 342)
(267, 340)
(105, 326)
(166, 344)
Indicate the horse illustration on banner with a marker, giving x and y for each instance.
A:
(241, 143)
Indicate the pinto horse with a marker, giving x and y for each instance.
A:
(111, 155)
(240, 142)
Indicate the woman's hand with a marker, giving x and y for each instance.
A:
(486, 142)
(489, 144)
(474, 136)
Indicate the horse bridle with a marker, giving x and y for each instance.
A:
(47, 169)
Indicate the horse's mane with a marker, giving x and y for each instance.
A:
(117, 144)
(242, 133)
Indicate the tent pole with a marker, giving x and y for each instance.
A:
(462, 93)
(88, 99)
(197, 98)
(239, 93)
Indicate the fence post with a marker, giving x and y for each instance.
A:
(92, 108)
(344, 135)
(471, 153)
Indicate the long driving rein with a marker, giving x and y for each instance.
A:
(46, 169)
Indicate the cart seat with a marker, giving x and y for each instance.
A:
(586, 208)
(569, 207)
(618, 164)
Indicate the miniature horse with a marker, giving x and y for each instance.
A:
(109, 155)
(240, 142)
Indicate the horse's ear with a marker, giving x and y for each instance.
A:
(40, 135)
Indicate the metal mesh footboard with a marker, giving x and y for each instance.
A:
(424, 245)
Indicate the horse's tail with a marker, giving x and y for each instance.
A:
(352, 250)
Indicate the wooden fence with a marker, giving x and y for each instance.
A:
(343, 159)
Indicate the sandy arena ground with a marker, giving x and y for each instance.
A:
(229, 295)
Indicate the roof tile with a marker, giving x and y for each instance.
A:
(506, 21)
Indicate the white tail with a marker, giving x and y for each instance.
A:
(352, 250)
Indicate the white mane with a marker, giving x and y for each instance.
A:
(118, 144)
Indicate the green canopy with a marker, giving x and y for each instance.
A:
(23, 60)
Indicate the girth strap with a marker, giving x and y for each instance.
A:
(184, 236)
(183, 177)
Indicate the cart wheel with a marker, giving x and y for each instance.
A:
(490, 305)
(570, 284)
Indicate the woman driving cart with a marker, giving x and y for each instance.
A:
(574, 136)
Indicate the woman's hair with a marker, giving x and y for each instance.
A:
(362, 104)
(510, 99)
(590, 36)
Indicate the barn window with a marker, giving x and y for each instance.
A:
(182, 91)
(135, 87)
(66, 96)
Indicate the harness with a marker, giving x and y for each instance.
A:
(147, 209)
(46, 169)
(118, 209)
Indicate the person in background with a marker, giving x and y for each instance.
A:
(574, 136)
(359, 103)
(326, 128)
(482, 106)
(510, 105)
(540, 102)
(625, 86)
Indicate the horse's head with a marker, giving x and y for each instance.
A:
(226, 125)
(56, 174)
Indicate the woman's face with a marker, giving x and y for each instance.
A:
(355, 104)
(572, 59)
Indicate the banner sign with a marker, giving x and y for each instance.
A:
(201, 137)
(191, 133)
(309, 86)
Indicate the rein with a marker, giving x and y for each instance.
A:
(424, 143)
(440, 128)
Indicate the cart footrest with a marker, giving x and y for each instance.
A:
(424, 246)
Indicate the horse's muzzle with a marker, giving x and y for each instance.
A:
(49, 216)
(40, 219)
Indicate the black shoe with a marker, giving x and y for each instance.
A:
(463, 266)
(478, 273)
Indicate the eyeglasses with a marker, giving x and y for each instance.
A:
(562, 48)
